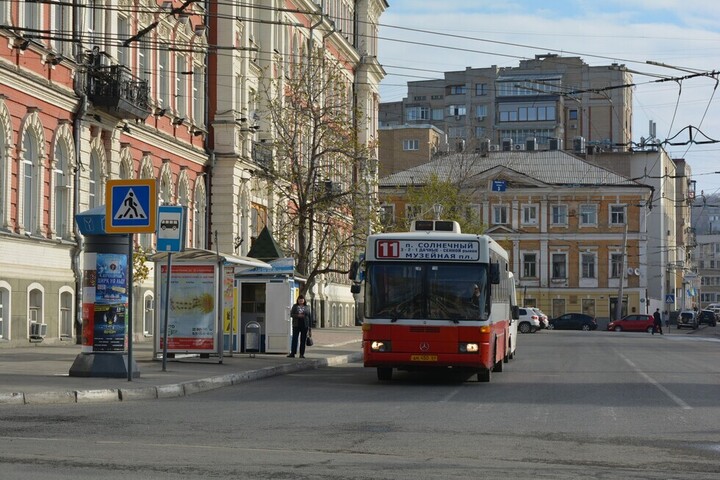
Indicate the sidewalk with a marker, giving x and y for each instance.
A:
(38, 374)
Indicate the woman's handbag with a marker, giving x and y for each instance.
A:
(309, 341)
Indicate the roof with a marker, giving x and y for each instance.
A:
(265, 247)
(202, 255)
(550, 167)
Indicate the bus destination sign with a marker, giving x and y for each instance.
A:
(450, 250)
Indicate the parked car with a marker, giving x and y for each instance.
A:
(687, 318)
(529, 321)
(708, 317)
(544, 321)
(573, 321)
(633, 323)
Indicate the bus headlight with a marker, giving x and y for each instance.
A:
(380, 346)
(469, 347)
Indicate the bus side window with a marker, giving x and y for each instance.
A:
(495, 273)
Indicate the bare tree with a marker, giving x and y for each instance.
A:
(318, 165)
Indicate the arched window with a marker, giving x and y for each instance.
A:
(66, 315)
(31, 183)
(63, 185)
(3, 169)
(184, 200)
(149, 316)
(35, 309)
(4, 310)
(94, 181)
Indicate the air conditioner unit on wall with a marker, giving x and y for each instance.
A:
(494, 148)
(38, 330)
(518, 146)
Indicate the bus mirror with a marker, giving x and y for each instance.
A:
(355, 288)
(352, 275)
(515, 312)
(495, 273)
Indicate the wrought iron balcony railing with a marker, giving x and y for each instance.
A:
(115, 89)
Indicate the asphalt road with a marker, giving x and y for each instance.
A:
(590, 405)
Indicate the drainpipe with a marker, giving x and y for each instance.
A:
(77, 131)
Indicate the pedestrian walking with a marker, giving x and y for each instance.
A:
(301, 321)
(657, 322)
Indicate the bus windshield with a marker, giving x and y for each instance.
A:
(424, 290)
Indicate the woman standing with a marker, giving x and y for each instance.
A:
(301, 320)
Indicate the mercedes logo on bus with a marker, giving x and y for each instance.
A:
(424, 347)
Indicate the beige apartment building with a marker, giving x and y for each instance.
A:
(547, 99)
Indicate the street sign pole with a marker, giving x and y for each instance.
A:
(167, 308)
(131, 264)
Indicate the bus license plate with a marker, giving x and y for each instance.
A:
(423, 358)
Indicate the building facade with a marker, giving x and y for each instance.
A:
(549, 98)
(122, 89)
(577, 233)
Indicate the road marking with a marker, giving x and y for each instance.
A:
(450, 395)
(679, 401)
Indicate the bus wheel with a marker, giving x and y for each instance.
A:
(384, 373)
(484, 375)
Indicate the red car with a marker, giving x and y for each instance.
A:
(633, 323)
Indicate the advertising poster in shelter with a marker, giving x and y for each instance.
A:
(191, 314)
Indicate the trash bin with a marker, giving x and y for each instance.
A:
(252, 337)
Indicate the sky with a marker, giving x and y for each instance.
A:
(421, 39)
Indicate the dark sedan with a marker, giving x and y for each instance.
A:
(573, 321)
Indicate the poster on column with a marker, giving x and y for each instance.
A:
(192, 315)
(111, 300)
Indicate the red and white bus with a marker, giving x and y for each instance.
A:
(436, 298)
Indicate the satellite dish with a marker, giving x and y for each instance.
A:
(630, 271)
(637, 271)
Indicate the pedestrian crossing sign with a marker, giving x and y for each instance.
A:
(131, 206)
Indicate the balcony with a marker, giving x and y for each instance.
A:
(116, 90)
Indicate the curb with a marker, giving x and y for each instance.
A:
(171, 390)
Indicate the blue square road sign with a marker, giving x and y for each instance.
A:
(131, 206)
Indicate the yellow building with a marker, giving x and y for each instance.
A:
(576, 232)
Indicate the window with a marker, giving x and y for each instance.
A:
(4, 295)
(456, 132)
(387, 214)
(94, 185)
(181, 85)
(62, 22)
(163, 76)
(149, 316)
(480, 132)
(66, 318)
(481, 89)
(258, 220)
(413, 212)
(31, 14)
(481, 111)
(419, 98)
(456, 110)
(94, 22)
(123, 27)
(559, 268)
(417, 113)
(529, 265)
(144, 59)
(529, 214)
(198, 106)
(558, 215)
(572, 114)
(588, 265)
(411, 145)
(63, 184)
(500, 214)
(588, 214)
(35, 303)
(31, 183)
(617, 214)
(438, 114)
(458, 89)
(616, 265)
